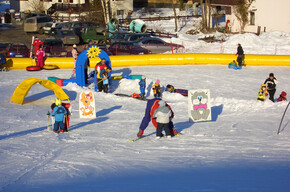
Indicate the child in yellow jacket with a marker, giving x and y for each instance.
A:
(262, 93)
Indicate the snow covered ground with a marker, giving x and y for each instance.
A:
(238, 151)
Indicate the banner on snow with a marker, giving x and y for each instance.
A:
(199, 108)
(87, 105)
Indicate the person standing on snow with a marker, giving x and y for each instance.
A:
(240, 53)
(152, 105)
(40, 57)
(37, 43)
(163, 117)
(75, 54)
(262, 93)
(157, 89)
(271, 85)
(142, 84)
(59, 113)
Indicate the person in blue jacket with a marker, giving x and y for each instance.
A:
(142, 84)
(59, 113)
(152, 105)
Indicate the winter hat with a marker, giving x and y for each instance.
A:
(58, 102)
(74, 46)
(271, 75)
(283, 94)
(161, 103)
(158, 81)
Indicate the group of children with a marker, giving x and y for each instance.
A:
(269, 88)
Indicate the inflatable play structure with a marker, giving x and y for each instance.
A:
(91, 52)
(24, 87)
(158, 59)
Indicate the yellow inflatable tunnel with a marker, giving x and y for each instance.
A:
(23, 88)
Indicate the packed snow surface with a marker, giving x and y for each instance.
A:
(239, 150)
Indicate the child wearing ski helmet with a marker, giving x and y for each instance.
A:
(142, 84)
(163, 117)
(282, 96)
(157, 89)
(59, 113)
(262, 93)
(271, 86)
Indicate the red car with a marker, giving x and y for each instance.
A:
(54, 48)
(127, 48)
(18, 50)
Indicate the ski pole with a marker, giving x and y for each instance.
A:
(66, 119)
(283, 118)
(47, 123)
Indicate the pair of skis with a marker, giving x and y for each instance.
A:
(138, 138)
(51, 124)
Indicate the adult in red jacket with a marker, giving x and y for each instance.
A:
(36, 43)
(152, 105)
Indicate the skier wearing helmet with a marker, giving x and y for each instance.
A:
(59, 113)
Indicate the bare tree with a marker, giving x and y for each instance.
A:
(241, 12)
(37, 6)
(175, 18)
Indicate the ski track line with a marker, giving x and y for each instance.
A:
(23, 178)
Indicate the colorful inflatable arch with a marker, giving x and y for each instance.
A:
(91, 52)
(24, 87)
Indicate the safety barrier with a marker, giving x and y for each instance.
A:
(159, 59)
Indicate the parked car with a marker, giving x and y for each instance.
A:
(127, 48)
(4, 47)
(54, 48)
(36, 24)
(95, 35)
(34, 15)
(18, 50)
(157, 45)
(106, 49)
(48, 28)
(136, 36)
(76, 26)
(68, 37)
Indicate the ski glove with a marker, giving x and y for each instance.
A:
(48, 113)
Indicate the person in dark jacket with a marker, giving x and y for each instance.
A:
(271, 86)
(240, 53)
(152, 105)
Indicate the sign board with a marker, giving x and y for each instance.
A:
(87, 105)
(199, 108)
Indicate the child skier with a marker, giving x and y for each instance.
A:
(262, 93)
(142, 84)
(58, 112)
(40, 57)
(282, 96)
(163, 117)
(105, 78)
(157, 89)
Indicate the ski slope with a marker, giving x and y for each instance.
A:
(239, 150)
